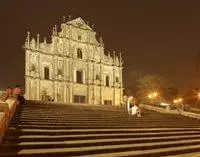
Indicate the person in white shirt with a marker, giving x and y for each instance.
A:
(132, 107)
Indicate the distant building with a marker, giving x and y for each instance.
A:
(73, 68)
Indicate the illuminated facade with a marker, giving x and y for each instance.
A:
(73, 68)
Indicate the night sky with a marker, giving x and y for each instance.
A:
(154, 36)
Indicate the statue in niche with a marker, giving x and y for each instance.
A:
(44, 95)
(60, 73)
(59, 96)
(32, 68)
(60, 47)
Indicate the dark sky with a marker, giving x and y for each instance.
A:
(154, 36)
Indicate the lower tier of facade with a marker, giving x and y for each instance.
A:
(69, 92)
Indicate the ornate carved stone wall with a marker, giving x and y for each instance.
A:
(73, 68)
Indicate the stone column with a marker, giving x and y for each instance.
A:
(65, 93)
(101, 78)
(71, 93)
(38, 89)
(121, 78)
(55, 91)
(93, 77)
(38, 42)
(88, 72)
(114, 78)
(71, 72)
(27, 88)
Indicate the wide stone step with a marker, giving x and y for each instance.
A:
(161, 148)
(153, 152)
(41, 129)
(90, 121)
(61, 141)
(95, 126)
(98, 134)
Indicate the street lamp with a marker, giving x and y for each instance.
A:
(175, 101)
(198, 95)
(179, 104)
(155, 94)
(150, 96)
(179, 100)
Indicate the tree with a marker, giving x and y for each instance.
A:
(150, 83)
(169, 93)
(130, 81)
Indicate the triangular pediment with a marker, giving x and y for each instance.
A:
(79, 22)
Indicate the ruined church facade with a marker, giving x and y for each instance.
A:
(73, 68)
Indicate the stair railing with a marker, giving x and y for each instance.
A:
(7, 110)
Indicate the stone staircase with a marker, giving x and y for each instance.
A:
(51, 129)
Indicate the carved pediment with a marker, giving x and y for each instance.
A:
(79, 22)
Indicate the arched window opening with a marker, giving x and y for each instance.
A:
(79, 54)
(107, 81)
(79, 76)
(46, 73)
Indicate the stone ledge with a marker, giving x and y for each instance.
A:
(192, 115)
(158, 109)
(184, 113)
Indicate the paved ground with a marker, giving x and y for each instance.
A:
(44, 129)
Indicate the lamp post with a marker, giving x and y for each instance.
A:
(198, 98)
(179, 104)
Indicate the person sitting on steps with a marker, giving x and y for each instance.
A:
(132, 107)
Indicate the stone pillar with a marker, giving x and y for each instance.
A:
(71, 72)
(28, 40)
(27, 63)
(55, 91)
(27, 88)
(71, 93)
(121, 78)
(114, 78)
(93, 77)
(38, 42)
(65, 92)
(38, 89)
(88, 81)
(101, 74)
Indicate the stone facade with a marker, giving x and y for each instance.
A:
(73, 68)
